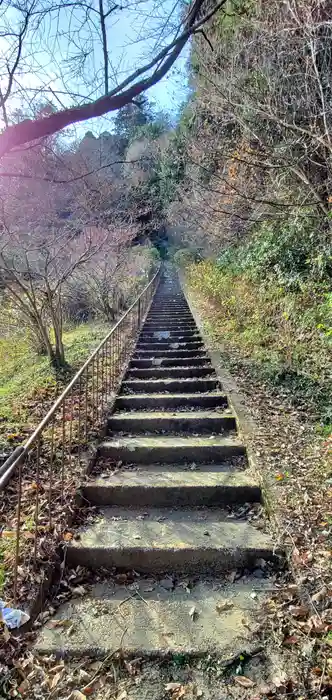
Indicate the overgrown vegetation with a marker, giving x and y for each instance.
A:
(249, 193)
(280, 323)
(28, 382)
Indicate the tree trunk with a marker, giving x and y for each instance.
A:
(59, 351)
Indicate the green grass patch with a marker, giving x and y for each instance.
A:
(282, 333)
(27, 378)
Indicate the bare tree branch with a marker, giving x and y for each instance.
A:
(29, 130)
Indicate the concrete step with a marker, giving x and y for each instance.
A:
(163, 421)
(170, 362)
(180, 338)
(172, 488)
(173, 386)
(167, 345)
(148, 372)
(169, 337)
(171, 325)
(169, 299)
(166, 303)
(171, 541)
(182, 328)
(165, 449)
(135, 402)
(168, 308)
(176, 322)
(180, 352)
(164, 331)
(170, 316)
(151, 621)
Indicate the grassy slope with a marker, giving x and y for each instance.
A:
(282, 336)
(26, 380)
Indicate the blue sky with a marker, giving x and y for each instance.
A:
(51, 67)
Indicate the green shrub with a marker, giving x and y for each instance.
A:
(285, 334)
(185, 256)
(292, 252)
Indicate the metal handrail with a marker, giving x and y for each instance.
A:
(25, 448)
(79, 410)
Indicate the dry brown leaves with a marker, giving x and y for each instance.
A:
(296, 466)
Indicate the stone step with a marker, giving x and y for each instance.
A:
(165, 449)
(165, 488)
(169, 310)
(135, 402)
(163, 332)
(170, 316)
(171, 325)
(173, 386)
(178, 353)
(168, 306)
(161, 337)
(182, 422)
(173, 540)
(150, 329)
(174, 319)
(167, 345)
(169, 299)
(171, 339)
(150, 621)
(170, 362)
(148, 372)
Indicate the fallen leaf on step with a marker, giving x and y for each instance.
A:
(95, 666)
(51, 624)
(171, 687)
(55, 680)
(77, 695)
(244, 682)
(231, 577)
(122, 696)
(223, 606)
(193, 612)
(79, 590)
(320, 595)
(298, 610)
(133, 666)
(167, 583)
(24, 687)
(288, 641)
(57, 669)
(84, 676)
(68, 536)
(133, 586)
(280, 680)
(6, 634)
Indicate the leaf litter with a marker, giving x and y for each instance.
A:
(295, 463)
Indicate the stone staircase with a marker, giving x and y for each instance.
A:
(175, 499)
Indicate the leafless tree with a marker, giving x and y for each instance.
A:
(261, 144)
(49, 232)
(58, 44)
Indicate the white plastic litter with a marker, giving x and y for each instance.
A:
(162, 335)
(12, 617)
